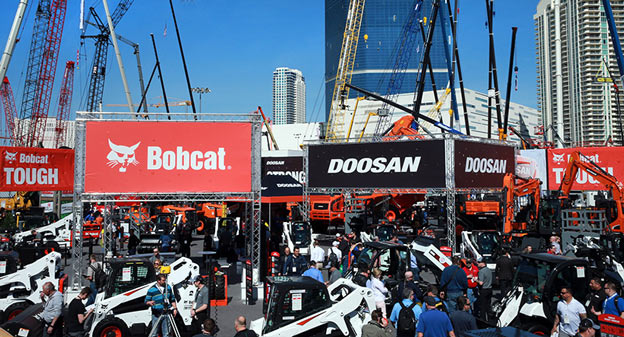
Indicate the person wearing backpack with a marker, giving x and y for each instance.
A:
(377, 326)
(433, 322)
(454, 283)
(405, 314)
(94, 271)
(614, 304)
(334, 255)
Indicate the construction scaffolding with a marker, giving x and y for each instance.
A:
(252, 199)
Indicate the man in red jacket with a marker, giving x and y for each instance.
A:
(472, 274)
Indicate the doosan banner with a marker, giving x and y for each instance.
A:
(36, 169)
(482, 165)
(414, 164)
(167, 157)
(610, 159)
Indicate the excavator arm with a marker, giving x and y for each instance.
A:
(609, 181)
(517, 187)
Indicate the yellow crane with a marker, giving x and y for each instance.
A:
(434, 112)
(336, 122)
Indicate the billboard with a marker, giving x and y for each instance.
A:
(282, 176)
(610, 159)
(532, 164)
(482, 165)
(36, 169)
(411, 164)
(167, 157)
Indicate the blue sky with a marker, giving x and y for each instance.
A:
(232, 47)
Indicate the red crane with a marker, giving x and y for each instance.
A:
(64, 106)
(41, 69)
(10, 111)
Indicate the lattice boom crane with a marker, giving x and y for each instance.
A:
(10, 111)
(64, 106)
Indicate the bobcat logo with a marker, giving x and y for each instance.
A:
(558, 158)
(10, 156)
(121, 155)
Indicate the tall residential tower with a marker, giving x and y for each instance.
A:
(573, 52)
(289, 96)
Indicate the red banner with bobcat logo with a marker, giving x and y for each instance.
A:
(36, 169)
(167, 157)
(610, 159)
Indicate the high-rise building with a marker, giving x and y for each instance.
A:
(382, 24)
(289, 96)
(574, 50)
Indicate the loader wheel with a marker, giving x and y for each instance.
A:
(14, 310)
(537, 329)
(111, 327)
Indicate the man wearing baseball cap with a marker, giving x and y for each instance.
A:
(433, 322)
(199, 311)
(587, 328)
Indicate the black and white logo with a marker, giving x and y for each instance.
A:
(377, 165)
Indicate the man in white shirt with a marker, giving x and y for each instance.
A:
(570, 312)
(338, 254)
(317, 254)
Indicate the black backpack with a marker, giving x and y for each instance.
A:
(99, 276)
(406, 324)
(333, 258)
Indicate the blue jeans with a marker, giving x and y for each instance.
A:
(451, 301)
(472, 298)
(91, 299)
(164, 325)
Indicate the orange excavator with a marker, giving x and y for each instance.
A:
(613, 185)
(515, 187)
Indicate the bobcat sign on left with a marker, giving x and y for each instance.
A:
(167, 157)
(36, 169)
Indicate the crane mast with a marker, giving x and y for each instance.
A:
(335, 124)
(102, 41)
(10, 111)
(64, 106)
(10, 45)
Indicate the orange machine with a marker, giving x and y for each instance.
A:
(613, 185)
(515, 187)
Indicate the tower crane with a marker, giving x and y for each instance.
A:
(10, 111)
(64, 106)
(336, 121)
(98, 70)
(41, 70)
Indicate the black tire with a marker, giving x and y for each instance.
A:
(111, 327)
(537, 329)
(14, 310)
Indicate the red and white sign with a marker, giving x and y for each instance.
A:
(610, 159)
(36, 169)
(167, 157)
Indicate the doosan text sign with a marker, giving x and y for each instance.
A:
(167, 157)
(418, 164)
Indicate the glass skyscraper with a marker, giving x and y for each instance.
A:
(382, 23)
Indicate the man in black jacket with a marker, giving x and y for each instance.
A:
(504, 272)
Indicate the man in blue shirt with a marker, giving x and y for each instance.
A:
(159, 298)
(454, 283)
(408, 299)
(314, 273)
(614, 304)
(433, 322)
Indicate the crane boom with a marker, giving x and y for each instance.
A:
(336, 121)
(12, 40)
(47, 73)
(10, 111)
(64, 106)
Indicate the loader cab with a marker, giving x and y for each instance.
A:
(543, 275)
(8, 263)
(128, 274)
(292, 298)
(391, 258)
(301, 234)
(614, 243)
(384, 232)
